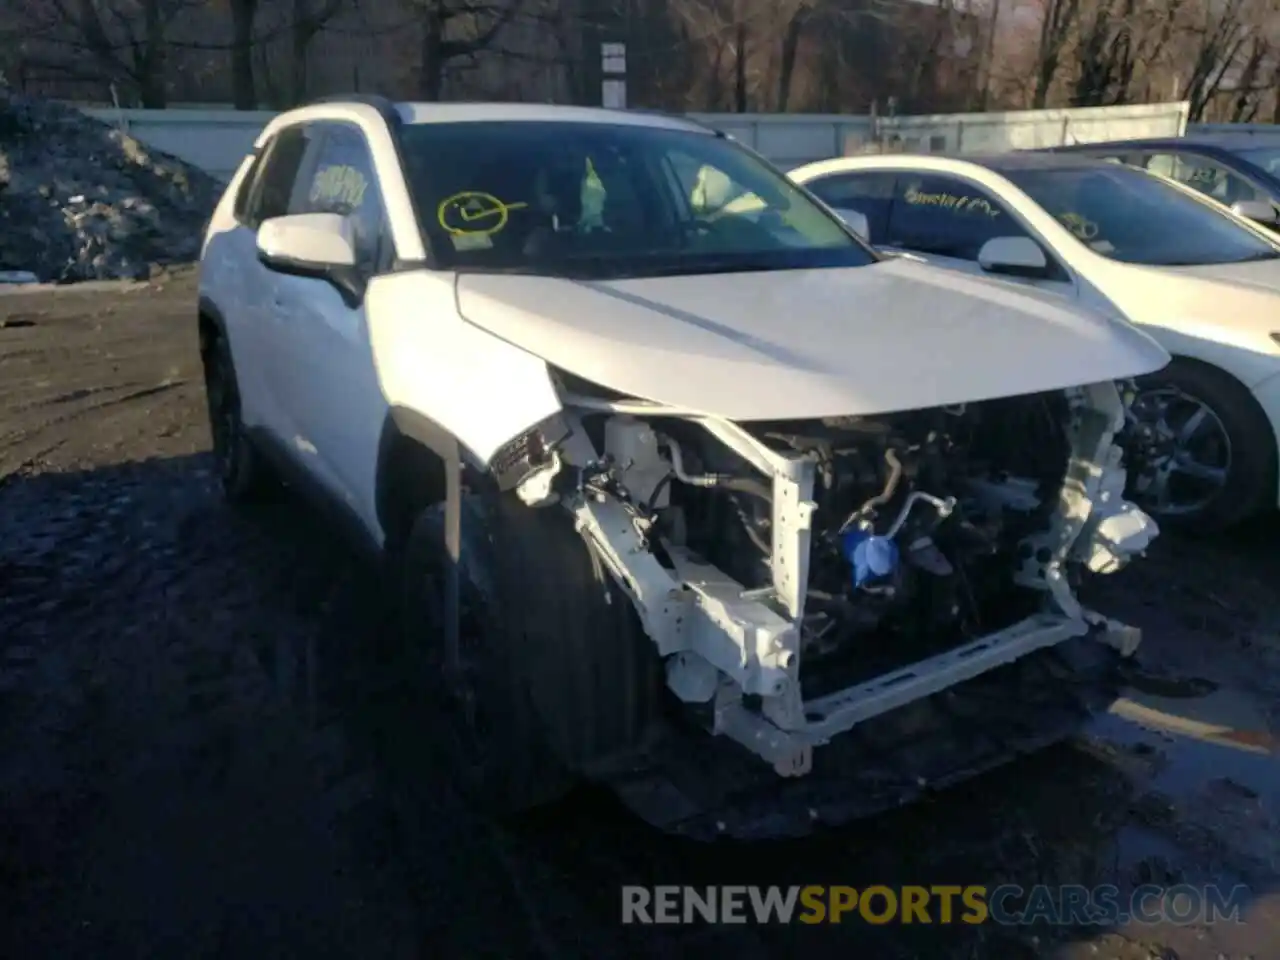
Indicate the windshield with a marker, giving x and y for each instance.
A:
(1135, 217)
(598, 200)
(1268, 158)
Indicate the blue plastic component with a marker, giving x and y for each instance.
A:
(872, 557)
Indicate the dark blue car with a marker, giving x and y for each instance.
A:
(1238, 169)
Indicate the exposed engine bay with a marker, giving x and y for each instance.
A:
(907, 554)
(802, 577)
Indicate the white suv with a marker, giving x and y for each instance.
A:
(702, 498)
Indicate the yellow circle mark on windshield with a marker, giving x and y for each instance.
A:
(474, 213)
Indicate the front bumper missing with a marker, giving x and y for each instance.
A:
(723, 645)
(790, 751)
(690, 785)
(734, 655)
(738, 635)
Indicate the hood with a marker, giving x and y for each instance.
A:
(796, 344)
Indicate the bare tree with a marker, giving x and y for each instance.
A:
(308, 18)
(1245, 102)
(452, 29)
(986, 62)
(1115, 38)
(243, 92)
(126, 41)
(1218, 34)
(720, 34)
(739, 58)
(796, 19)
(1059, 21)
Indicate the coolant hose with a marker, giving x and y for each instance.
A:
(720, 481)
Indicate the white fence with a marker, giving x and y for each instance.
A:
(1029, 129)
(217, 139)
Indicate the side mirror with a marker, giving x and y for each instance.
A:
(1013, 256)
(857, 222)
(307, 244)
(1257, 210)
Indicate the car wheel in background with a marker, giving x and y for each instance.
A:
(1200, 452)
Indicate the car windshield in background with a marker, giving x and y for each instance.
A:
(602, 200)
(1135, 217)
(1268, 158)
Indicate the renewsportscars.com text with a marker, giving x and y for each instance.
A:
(1007, 904)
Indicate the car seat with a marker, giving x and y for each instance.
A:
(556, 206)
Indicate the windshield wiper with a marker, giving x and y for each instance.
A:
(1250, 258)
(639, 268)
(714, 266)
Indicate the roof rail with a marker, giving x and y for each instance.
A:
(382, 104)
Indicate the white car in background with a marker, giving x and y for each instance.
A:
(1205, 282)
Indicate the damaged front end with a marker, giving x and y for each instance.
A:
(802, 580)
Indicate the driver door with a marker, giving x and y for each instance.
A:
(329, 379)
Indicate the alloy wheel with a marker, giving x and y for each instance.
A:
(1181, 451)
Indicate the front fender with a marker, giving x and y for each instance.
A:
(1249, 358)
(477, 387)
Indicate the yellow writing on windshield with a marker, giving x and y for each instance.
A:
(472, 213)
(339, 184)
(950, 202)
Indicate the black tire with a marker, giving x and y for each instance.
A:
(1250, 484)
(243, 473)
(596, 680)
(565, 682)
(489, 737)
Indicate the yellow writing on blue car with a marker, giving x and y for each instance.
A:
(340, 185)
(950, 202)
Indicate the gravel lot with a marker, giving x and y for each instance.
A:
(199, 757)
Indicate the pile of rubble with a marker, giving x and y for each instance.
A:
(81, 200)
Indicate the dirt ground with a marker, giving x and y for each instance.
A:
(198, 760)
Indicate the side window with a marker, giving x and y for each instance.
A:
(343, 181)
(708, 190)
(1210, 177)
(732, 215)
(276, 175)
(870, 194)
(946, 216)
(244, 199)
